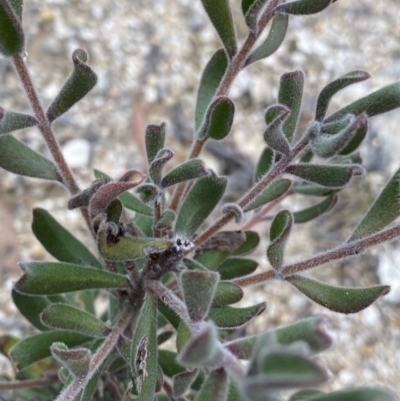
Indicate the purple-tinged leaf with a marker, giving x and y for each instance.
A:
(154, 139)
(378, 102)
(279, 233)
(338, 299)
(188, 170)
(215, 386)
(234, 210)
(226, 293)
(11, 121)
(264, 163)
(183, 380)
(303, 7)
(271, 192)
(220, 15)
(290, 95)
(198, 288)
(218, 119)
(228, 317)
(273, 41)
(201, 200)
(81, 81)
(335, 86)
(37, 347)
(19, 159)
(201, 350)
(66, 317)
(12, 39)
(385, 209)
(236, 267)
(210, 80)
(250, 243)
(157, 165)
(273, 134)
(75, 360)
(330, 176)
(50, 278)
(313, 212)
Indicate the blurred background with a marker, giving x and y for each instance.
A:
(149, 56)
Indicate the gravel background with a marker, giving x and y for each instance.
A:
(149, 56)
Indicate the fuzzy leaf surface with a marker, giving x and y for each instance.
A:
(385, 209)
(220, 15)
(264, 163)
(226, 293)
(228, 317)
(49, 278)
(215, 386)
(335, 86)
(182, 381)
(75, 360)
(273, 135)
(313, 212)
(212, 258)
(303, 7)
(210, 80)
(37, 347)
(18, 158)
(199, 203)
(338, 299)
(11, 121)
(66, 317)
(188, 170)
(236, 267)
(12, 40)
(81, 81)
(154, 140)
(250, 243)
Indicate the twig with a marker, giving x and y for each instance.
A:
(47, 380)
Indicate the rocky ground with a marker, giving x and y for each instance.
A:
(149, 55)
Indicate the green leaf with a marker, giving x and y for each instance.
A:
(157, 165)
(251, 10)
(234, 393)
(220, 15)
(314, 211)
(183, 380)
(338, 299)
(212, 258)
(271, 192)
(303, 7)
(154, 139)
(305, 188)
(378, 102)
(280, 230)
(236, 267)
(166, 220)
(168, 363)
(228, 317)
(335, 86)
(66, 317)
(329, 145)
(49, 278)
(234, 210)
(59, 242)
(308, 330)
(18, 158)
(198, 288)
(215, 386)
(357, 394)
(12, 39)
(273, 41)
(199, 203)
(332, 176)
(201, 350)
(81, 81)
(17, 6)
(290, 95)
(218, 119)
(193, 264)
(264, 163)
(30, 307)
(76, 360)
(144, 350)
(304, 395)
(11, 121)
(385, 209)
(188, 170)
(37, 347)
(129, 201)
(226, 293)
(273, 134)
(250, 243)
(183, 336)
(210, 80)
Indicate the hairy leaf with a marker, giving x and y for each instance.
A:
(154, 139)
(273, 134)
(188, 170)
(76, 360)
(236, 267)
(356, 394)
(11, 121)
(157, 165)
(251, 242)
(264, 163)
(12, 40)
(183, 380)
(303, 7)
(215, 386)
(228, 317)
(226, 293)
(314, 211)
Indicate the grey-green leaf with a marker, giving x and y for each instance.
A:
(273, 41)
(12, 121)
(330, 176)
(303, 7)
(273, 135)
(226, 293)
(78, 84)
(154, 139)
(335, 86)
(199, 203)
(18, 158)
(188, 170)
(251, 242)
(236, 267)
(210, 80)
(12, 40)
(338, 299)
(313, 212)
(215, 386)
(228, 317)
(385, 209)
(264, 163)
(356, 394)
(49, 278)
(220, 15)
